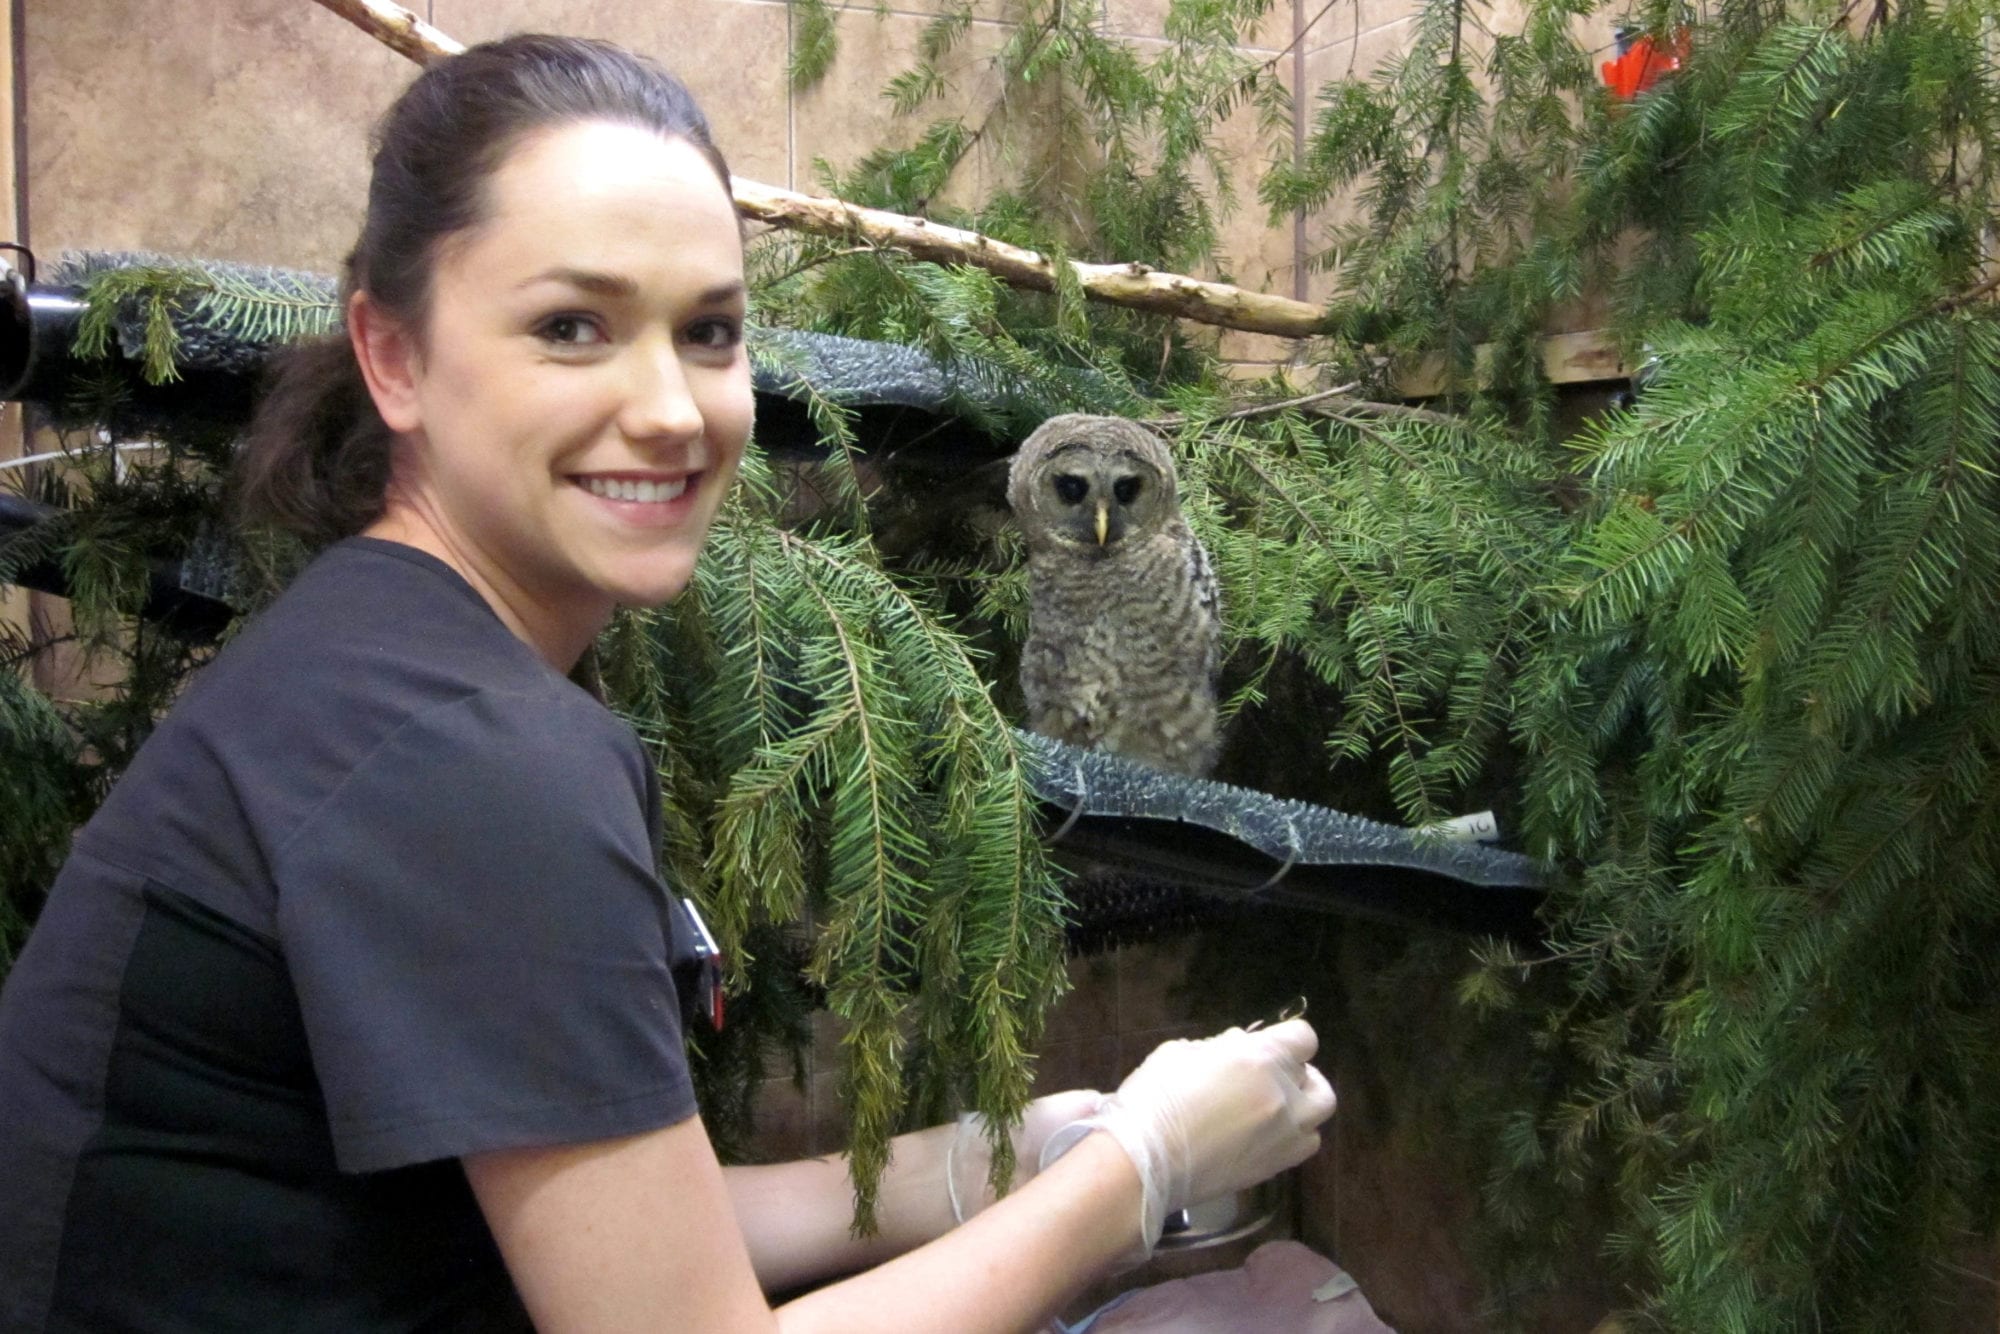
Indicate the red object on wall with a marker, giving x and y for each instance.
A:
(1641, 63)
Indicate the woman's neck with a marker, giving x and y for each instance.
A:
(558, 638)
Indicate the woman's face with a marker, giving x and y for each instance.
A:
(574, 412)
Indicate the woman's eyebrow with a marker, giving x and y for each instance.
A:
(617, 285)
(587, 280)
(724, 293)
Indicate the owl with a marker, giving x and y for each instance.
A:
(1125, 625)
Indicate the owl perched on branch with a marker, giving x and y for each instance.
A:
(1125, 629)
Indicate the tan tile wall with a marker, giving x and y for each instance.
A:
(229, 131)
(731, 53)
(240, 131)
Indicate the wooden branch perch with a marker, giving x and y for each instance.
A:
(397, 28)
(1132, 285)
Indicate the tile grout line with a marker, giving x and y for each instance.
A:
(791, 111)
(1299, 101)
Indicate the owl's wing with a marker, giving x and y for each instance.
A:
(1062, 701)
(1207, 608)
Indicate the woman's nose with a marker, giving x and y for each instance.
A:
(660, 402)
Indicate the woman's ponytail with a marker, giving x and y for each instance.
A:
(316, 461)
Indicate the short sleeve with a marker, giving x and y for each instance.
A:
(479, 941)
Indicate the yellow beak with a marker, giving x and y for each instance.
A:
(1103, 521)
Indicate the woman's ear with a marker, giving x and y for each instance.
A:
(387, 353)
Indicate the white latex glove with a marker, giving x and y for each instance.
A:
(1202, 1119)
(969, 1161)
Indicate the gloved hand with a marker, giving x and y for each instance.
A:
(969, 1161)
(1202, 1119)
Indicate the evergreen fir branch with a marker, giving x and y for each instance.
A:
(865, 947)
(914, 87)
(44, 793)
(169, 302)
(1784, 87)
(1011, 959)
(1375, 657)
(753, 634)
(281, 309)
(879, 760)
(815, 43)
(160, 291)
(944, 32)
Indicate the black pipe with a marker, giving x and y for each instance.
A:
(37, 328)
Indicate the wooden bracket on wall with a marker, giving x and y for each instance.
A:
(1587, 356)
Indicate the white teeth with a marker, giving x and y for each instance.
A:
(646, 493)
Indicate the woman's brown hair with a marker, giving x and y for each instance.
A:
(316, 460)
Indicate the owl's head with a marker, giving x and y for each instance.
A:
(1092, 483)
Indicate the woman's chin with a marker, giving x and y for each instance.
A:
(652, 587)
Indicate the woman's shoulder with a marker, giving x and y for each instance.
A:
(402, 634)
(368, 633)
(373, 652)
(509, 765)
(365, 602)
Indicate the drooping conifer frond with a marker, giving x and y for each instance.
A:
(1770, 643)
(40, 800)
(111, 514)
(1399, 559)
(863, 779)
(815, 42)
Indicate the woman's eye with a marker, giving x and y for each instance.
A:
(573, 330)
(1071, 490)
(717, 333)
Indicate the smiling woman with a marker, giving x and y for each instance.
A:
(572, 411)
(546, 308)
(359, 1003)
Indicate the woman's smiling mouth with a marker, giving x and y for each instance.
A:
(644, 492)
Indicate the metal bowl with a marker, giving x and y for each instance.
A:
(1229, 1218)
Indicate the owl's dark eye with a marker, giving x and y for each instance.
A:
(1126, 489)
(1071, 490)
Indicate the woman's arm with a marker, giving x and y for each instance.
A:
(1008, 1269)
(641, 1234)
(797, 1218)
